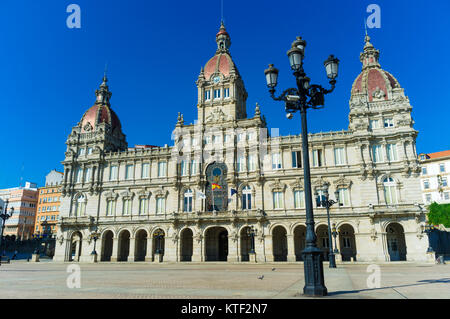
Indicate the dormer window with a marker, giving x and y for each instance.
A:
(217, 94)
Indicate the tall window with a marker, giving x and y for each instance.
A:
(145, 173)
(113, 172)
(81, 151)
(162, 169)
(247, 197)
(183, 168)
(241, 163)
(187, 207)
(424, 171)
(129, 171)
(374, 124)
(80, 206)
(143, 206)
(251, 162)
(377, 155)
(217, 94)
(299, 199)
(444, 182)
(193, 167)
(276, 161)
(226, 92)
(110, 207)
(207, 95)
(321, 195)
(89, 150)
(442, 168)
(317, 158)
(160, 205)
(426, 184)
(297, 159)
(278, 200)
(78, 175)
(390, 191)
(344, 197)
(339, 158)
(428, 198)
(87, 174)
(392, 154)
(126, 209)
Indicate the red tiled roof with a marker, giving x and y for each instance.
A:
(439, 154)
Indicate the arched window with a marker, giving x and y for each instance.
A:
(390, 191)
(247, 197)
(187, 207)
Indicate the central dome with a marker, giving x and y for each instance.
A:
(373, 82)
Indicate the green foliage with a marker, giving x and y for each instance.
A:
(439, 214)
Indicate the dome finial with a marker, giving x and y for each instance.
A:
(223, 39)
(369, 58)
(103, 94)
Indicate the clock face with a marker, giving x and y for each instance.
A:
(217, 79)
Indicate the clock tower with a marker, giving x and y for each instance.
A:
(221, 92)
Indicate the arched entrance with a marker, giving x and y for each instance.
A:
(279, 243)
(245, 244)
(124, 245)
(216, 244)
(186, 245)
(396, 242)
(347, 243)
(141, 245)
(159, 238)
(323, 241)
(75, 246)
(299, 241)
(107, 246)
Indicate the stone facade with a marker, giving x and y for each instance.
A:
(196, 200)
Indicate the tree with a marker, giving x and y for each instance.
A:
(439, 214)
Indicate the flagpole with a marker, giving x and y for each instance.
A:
(212, 191)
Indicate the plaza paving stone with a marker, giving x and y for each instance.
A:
(402, 280)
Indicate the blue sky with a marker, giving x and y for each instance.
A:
(154, 51)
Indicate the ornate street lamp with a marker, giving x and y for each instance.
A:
(158, 235)
(428, 229)
(303, 97)
(325, 201)
(4, 215)
(94, 235)
(251, 232)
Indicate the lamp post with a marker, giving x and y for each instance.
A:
(325, 201)
(303, 97)
(251, 232)
(4, 216)
(334, 232)
(428, 229)
(159, 235)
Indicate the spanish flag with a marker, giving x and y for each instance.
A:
(214, 186)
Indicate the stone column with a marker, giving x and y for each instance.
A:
(291, 248)
(268, 250)
(170, 248)
(115, 250)
(197, 249)
(131, 249)
(233, 252)
(149, 253)
(259, 249)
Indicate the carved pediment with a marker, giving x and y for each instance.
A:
(297, 184)
(342, 182)
(142, 193)
(216, 116)
(277, 186)
(127, 194)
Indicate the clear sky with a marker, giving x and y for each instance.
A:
(154, 51)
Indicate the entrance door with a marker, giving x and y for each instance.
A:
(394, 253)
(223, 246)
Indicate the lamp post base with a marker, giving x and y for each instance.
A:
(314, 280)
(158, 258)
(93, 257)
(252, 257)
(35, 258)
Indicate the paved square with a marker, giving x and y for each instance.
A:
(23, 279)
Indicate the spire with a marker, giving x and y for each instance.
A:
(103, 94)
(223, 39)
(369, 58)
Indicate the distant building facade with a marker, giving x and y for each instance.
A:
(24, 200)
(49, 203)
(435, 177)
(225, 175)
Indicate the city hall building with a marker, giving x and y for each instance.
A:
(227, 183)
